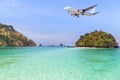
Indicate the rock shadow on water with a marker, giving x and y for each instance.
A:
(4, 63)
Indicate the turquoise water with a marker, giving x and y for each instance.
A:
(56, 63)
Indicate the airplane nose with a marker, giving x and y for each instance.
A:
(64, 8)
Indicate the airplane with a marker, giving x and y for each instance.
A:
(77, 12)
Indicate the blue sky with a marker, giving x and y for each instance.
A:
(45, 21)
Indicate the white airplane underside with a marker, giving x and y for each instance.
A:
(86, 11)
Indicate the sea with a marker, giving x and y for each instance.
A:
(59, 63)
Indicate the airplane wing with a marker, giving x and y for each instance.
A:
(86, 9)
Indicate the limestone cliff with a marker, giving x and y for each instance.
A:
(10, 37)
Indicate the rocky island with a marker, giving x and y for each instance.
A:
(10, 37)
(99, 39)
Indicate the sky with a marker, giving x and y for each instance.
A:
(46, 23)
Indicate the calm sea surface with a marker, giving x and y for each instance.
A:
(56, 63)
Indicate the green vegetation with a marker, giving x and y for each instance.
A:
(99, 39)
(10, 37)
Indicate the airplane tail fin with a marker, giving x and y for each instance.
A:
(92, 11)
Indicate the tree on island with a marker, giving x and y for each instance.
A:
(99, 39)
(61, 45)
(40, 45)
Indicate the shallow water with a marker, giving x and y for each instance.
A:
(56, 63)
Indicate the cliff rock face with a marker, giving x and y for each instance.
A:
(10, 37)
(98, 39)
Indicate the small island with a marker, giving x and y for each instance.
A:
(98, 39)
(9, 37)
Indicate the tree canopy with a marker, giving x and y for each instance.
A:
(99, 39)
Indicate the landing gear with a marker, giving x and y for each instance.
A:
(78, 10)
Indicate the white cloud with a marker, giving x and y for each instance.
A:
(8, 3)
(48, 39)
(8, 7)
(9, 15)
(20, 9)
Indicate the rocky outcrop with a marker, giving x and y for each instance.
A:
(99, 39)
(10, 37)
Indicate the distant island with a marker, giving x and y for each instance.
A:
(10, 37)
(98, 39)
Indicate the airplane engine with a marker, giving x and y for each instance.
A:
(75, 15)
